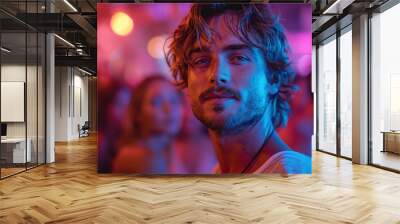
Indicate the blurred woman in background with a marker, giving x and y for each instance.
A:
(155, 115)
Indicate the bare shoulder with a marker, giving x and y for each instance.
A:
(288, 162)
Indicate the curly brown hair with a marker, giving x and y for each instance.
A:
(255, 26)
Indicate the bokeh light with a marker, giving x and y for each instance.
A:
(303, 67)
(155, 46)
(121, 24)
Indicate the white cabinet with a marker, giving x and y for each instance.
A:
(17, 145)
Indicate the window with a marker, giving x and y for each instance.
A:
(385, 89)
(346, 93)
(327, 96)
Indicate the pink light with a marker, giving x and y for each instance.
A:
(303, 65)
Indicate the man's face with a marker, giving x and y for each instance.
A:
(227, 81)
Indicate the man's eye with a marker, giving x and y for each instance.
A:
(239, 59)
(201, 61)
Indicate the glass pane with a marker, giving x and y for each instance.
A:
(31, 97)
(386, 89)
(41, 98)
(31, 86)
(346, 94)
(13, 87)
(327, 97)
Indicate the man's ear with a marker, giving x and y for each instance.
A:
(273, 88)
(273, 84)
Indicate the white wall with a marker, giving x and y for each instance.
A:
(71, 93)
(61, 103)
(13, 73)
(80, 102)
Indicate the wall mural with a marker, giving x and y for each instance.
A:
(204, 88)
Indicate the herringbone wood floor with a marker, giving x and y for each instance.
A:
(70, 191)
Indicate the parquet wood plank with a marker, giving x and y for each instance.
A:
(71, 191)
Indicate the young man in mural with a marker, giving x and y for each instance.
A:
(233, 60)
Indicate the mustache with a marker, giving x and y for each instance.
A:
(219, 92)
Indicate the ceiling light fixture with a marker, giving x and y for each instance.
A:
(70, 5)
(337, 7)
(65, 41)
(326, 11)
(5, 50)
(84, 71)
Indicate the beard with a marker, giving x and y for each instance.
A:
(247, 115)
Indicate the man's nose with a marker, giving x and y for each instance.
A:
(219, 72)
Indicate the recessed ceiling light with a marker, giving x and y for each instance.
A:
(5, 50)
